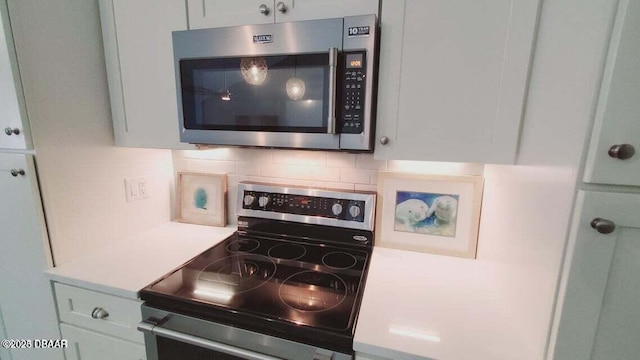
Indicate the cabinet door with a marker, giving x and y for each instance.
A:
(139, 58)
(89, 345)
(297, 10)
(599, 317)
(453, 78)
(220, 13)
(617, 120)
(14, 126)
(27, 308)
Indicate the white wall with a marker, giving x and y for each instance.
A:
(59, 46)
(526, 208)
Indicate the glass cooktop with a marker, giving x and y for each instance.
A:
(300, 283)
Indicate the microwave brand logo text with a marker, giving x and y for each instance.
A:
(262, 39)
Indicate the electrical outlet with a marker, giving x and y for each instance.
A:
(136, 189)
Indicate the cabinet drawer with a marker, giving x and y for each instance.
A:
(89, 345)
(76, 305)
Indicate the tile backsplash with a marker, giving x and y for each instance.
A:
(305, 168)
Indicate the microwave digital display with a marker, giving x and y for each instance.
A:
(354, 61)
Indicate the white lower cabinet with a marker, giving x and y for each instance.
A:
(99, 326)
(89, 345)
(598, 301)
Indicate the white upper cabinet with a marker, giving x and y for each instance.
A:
(220, 13)
(139, 59)
(14, 126)
(453, 78)
(614, 156)
(599, 317)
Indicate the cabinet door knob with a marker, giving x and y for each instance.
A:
(264, 9)
(281, 7)
(384, 140)
(622, 151)
(99, 313)
(9, 131)
(16, 172)
(603, 226)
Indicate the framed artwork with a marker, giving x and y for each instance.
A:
(201, 198)
(434, 214)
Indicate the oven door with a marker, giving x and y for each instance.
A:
(171, 336)
(268, 85)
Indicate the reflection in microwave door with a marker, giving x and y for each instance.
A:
(253, 70)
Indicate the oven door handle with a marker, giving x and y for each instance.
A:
(201, 342)
(333, 81)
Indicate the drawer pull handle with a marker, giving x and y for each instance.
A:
(99, 313)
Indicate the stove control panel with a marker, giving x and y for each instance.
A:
(327, 207)
(337, 208)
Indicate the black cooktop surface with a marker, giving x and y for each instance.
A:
(287, 281)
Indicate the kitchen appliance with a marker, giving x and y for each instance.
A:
(286, 285)
(305, 85)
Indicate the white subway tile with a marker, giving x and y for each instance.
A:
(249, 155)
(355, 176)
(366, 161)
(374, 178)
(233, 180)
(435, 167)
(303, 183)
(325, 174)
(273, 170)
(299, 157)
(339, 186)
(341, 160)
(261, 179)
(212, 166)
(361, 187)
(247, 168)
(299, 172)
(205, 154)
(180, 164)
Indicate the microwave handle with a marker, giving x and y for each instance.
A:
(333, 79)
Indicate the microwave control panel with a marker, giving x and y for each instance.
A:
(353, 92)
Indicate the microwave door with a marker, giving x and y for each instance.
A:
(272, 100)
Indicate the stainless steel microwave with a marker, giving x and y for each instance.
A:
(304, 85)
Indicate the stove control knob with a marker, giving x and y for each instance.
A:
(354, 211)
(249, 199)
(336, 209)
(263, 201)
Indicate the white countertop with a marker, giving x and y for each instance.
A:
(418, 305)
(415, 305)
(125, 267)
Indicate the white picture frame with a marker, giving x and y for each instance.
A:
(429, 213)
(202, 198)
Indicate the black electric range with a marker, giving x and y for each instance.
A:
(295, 270)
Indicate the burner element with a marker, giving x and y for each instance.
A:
(313, 291)
(234, 274)
(287, 251)
(243, 246)
(339, 260)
